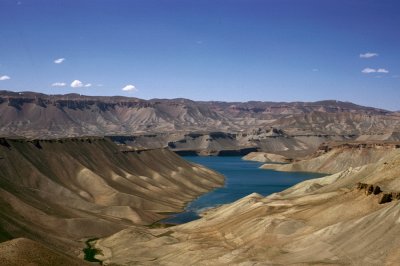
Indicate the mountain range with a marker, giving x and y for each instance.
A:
(94, 171)
(33, 114)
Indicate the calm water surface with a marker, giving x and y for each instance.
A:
(241, 179)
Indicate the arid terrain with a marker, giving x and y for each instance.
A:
(207, 128)
(92, 172)
(61, 192)
(34, 114)
(348, 218)
(335, 157)
(199, 133)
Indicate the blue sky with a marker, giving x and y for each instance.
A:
(232, 50)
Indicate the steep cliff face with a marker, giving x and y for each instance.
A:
(270, 140)
(321, 221)
(62, 190)
(333, 158)
(39, 115)
(207, 128)
(352, 122)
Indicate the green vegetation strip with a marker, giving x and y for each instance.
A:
(91, 252)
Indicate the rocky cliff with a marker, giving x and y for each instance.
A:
(293, 129)
(38, 115)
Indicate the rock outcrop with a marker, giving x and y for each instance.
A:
(385, 197)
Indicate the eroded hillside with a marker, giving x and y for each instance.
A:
(335, 157)
(38, 115)
(293, 129)
(62, 191)
(329, 220)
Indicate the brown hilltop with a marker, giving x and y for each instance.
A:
(291, 129)
(39, 115)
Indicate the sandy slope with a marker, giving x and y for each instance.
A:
(340, 157)
(22, 251)
(265, 157)
(325, 221)
(62, 191)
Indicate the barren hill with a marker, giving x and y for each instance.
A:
(348, 218)
(208, 128)
(22, 251)
(335, 157)
(38, 115)
(62, 191)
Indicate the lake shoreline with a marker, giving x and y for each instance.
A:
(242, 178)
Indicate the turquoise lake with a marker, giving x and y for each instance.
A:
(241, 179)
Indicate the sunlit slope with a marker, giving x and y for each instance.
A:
(337, 158)
(39, 115)
(22, 251)
(59, 191)
(325, 221)
(265, 157)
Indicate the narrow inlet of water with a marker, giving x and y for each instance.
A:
(241, 179)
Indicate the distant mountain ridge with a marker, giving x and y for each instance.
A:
(32, 114)
(331, 105)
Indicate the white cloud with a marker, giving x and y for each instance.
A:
(368, 55)
(59, 60)
(79, 84)
(5, 77)
(315, 70)
(129, 87)
(59, 84)
(76, 84)
(368, 70)
(382, 70)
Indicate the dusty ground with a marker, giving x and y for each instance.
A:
(22, 251)
(325, 221)
(333, 158)
(62, 192)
